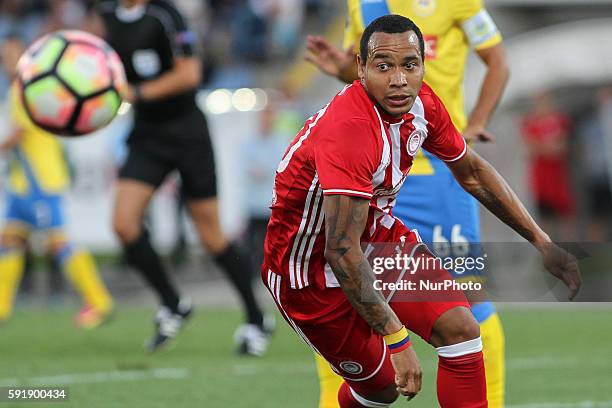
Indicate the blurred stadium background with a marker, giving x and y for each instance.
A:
(558, 354)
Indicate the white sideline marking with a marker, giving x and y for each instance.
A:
(98, 377)
(581, 404)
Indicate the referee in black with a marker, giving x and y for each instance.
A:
(170, 132)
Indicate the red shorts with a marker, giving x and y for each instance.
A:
(327, 322)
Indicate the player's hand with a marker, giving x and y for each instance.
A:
(326, 57)
(477, 133)
(562, 265)
(408, 374)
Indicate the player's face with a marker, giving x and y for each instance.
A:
(393, 73)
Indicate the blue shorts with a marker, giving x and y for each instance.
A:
(37, 211)
(446, 218)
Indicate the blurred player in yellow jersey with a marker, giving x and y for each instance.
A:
(38, 180)
(430, 198)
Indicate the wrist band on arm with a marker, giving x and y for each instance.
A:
(398, 341)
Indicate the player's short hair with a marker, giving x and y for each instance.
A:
(390, 24)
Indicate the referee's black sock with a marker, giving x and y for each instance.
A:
(141, 255)
(237, 268)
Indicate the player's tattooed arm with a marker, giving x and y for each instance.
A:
(481, 180)
(345, 219)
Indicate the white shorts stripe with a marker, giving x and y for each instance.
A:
(382, 360)
(278, 281)
(269, 279)
(367, 403)
(340, 191)
(274, 284)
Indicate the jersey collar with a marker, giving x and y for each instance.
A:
(129, 15)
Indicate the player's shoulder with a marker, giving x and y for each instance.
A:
(349, 121)
(351, 107)
(166, 7)
(168, 15)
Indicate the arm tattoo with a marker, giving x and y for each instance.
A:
(497, 207)
(345, 219)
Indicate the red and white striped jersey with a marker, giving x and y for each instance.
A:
(349, 147)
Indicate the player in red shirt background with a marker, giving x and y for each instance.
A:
(334, 191)
(546, 132)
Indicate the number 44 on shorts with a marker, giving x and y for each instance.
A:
(457, 246)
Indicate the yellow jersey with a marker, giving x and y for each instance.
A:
(450, 28)
(38, 165)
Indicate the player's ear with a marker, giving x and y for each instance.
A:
(360, 68)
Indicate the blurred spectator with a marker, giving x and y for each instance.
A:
(290, 116)
(64, 14)
(268, 28)
(23, 20)
(546, 133)
(250, 30)
(260, 158)
(595, 134)
(286, 26)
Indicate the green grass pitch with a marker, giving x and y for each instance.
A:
(556, 359)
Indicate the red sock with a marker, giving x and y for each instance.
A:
(462, 382)
(346, 398)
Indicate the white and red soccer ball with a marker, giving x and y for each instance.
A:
(71, 83)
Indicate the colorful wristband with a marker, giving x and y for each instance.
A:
(398, 341)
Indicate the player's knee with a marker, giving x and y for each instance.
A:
(456, 326)
(126, 230)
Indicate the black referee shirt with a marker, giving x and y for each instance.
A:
(147, 39)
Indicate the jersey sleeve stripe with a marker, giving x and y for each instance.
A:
(347, 192)
(171, 25)
(460, 155)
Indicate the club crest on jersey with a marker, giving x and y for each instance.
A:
(424, 8)
(414, 142)
(146, 63)
(351, 367)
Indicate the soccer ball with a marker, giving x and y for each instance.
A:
(71, 83)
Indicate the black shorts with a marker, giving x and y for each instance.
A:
(156, 148)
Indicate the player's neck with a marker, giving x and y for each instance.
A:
(387, 117)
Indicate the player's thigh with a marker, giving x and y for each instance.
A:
(18, 221)
(10, 237)
(49, 218)
(356, 353)
(328, 323)
(205, 216)
(131, 200)
(427, 294)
